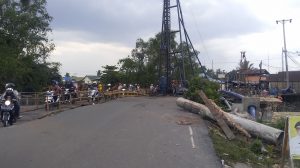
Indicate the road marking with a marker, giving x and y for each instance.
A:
(192, 137)
(191, 130)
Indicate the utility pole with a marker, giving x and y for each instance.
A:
(284, 49)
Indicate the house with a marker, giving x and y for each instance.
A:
(77, 79)
(279, 80)
(254, 76)
(90, 79)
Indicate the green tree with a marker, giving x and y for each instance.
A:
(245, 65)
(24, 44)
(111, 75)
(208, 87)
(145, 63)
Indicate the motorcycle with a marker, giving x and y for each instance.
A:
(50, 101)
(93, 95)
(69, 95)
(8, 112)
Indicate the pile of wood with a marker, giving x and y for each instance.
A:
(226, 120)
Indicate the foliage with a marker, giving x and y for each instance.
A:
(110, 75)
(208, 87)
(256, 146)
(233, 151)
(278, 123)
(245, 65)
(24, 44)
(145, 63)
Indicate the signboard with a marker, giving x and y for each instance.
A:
(294, 137)
(221, 76)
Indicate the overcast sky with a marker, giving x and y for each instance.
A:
(92, 33)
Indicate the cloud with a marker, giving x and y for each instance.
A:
(219, 29)
(80, 58)
(107, 20)
(125, 21)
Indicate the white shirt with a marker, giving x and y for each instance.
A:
(295, 145)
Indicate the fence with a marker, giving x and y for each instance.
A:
(31, 101)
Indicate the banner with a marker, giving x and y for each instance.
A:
(294, 137)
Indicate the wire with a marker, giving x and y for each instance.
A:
(295, 62)
(199, 34)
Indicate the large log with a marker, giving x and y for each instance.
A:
(265, 132)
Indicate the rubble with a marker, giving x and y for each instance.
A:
(256, 129)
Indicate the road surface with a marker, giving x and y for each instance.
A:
(124, 133)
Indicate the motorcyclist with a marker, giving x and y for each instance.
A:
(56, 90)
(14, 94)
(94, 86)
(71, 85)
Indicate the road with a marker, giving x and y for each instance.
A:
(124, 133)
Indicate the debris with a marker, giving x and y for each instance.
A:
(183, 122)
(222, 114)
(265, 132)
(218, 115)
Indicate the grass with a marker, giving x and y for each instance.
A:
(235, 151)
(279, 123)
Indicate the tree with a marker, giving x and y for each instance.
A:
(24, 44)
(209, 88)
(145, 63)
(245, 65)
(99, 73)
(110, 75)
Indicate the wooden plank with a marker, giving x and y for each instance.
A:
(285, 142)
(218, 116)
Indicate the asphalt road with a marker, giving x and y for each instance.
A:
(124, 133)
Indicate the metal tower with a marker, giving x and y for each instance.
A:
(169, 54)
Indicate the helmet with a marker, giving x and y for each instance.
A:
(9, 85)
(109, 84)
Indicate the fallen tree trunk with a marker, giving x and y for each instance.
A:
(257, 129)
(218, 115)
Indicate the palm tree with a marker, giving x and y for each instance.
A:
(245, 65)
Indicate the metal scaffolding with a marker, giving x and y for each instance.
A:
(168, 54)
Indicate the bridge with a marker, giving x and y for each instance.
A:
(124, 132)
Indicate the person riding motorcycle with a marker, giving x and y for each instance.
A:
(14, 94)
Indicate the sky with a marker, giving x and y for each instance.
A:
(93, 33)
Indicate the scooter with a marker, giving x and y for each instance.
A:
(93, 95)
(50, 102)
(8, 112)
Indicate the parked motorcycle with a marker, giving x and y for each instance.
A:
(93, 95)
(8, 111)
(69, 95)
(50, 100)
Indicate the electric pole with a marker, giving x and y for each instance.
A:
(284, 49)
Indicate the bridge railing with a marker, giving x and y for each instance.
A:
(31, 101)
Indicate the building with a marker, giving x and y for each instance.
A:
(254, 76)
(279, 80)
(90, 79)
(77, 79)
